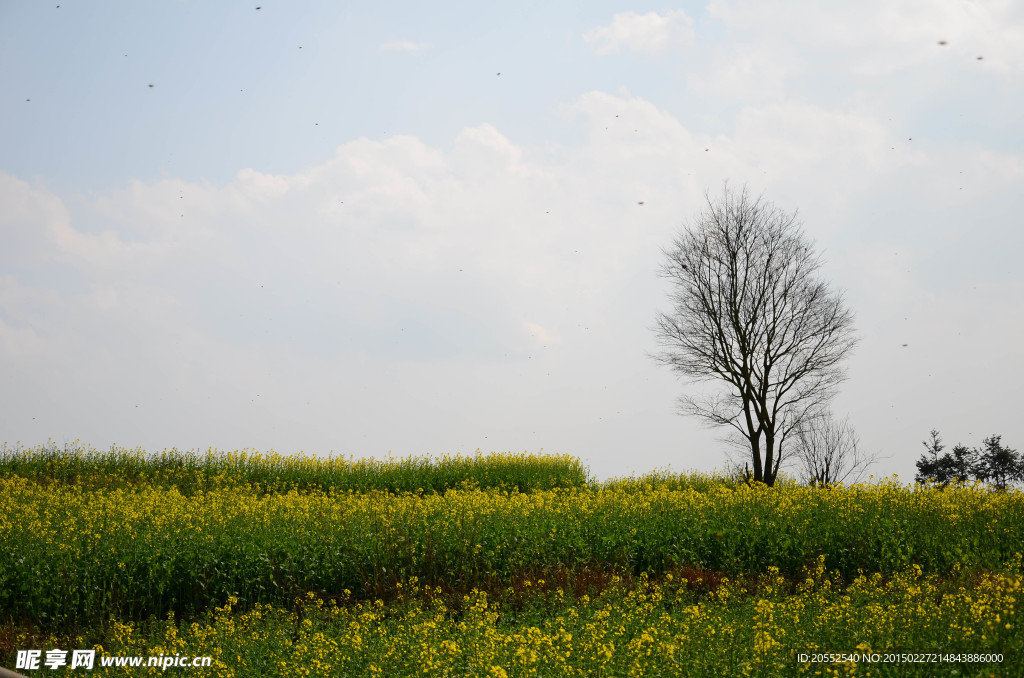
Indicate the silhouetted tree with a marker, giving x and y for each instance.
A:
(749, 311)
(928, 466)
(830, 451)
(999, 465)
(963, 464)
(993, 463)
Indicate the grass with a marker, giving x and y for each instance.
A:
(521, 565)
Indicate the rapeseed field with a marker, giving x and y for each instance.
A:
(498, 565)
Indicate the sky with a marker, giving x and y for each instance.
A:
(395, 228)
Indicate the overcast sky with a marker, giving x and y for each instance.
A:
(417, 228)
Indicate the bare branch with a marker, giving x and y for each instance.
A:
(750, 311)
(830, 451)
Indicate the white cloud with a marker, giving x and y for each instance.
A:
(466, 293)
(31, 221)
(488, 293)
(879, 36)
(542, 334)
(651, 34)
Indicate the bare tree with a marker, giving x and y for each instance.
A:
(830, 452)
(750, 312)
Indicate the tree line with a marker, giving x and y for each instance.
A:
(992, 463)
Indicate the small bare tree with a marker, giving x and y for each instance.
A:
(830, 452)
(749, 311)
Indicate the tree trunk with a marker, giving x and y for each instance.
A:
(769, 458)
(755, 447)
